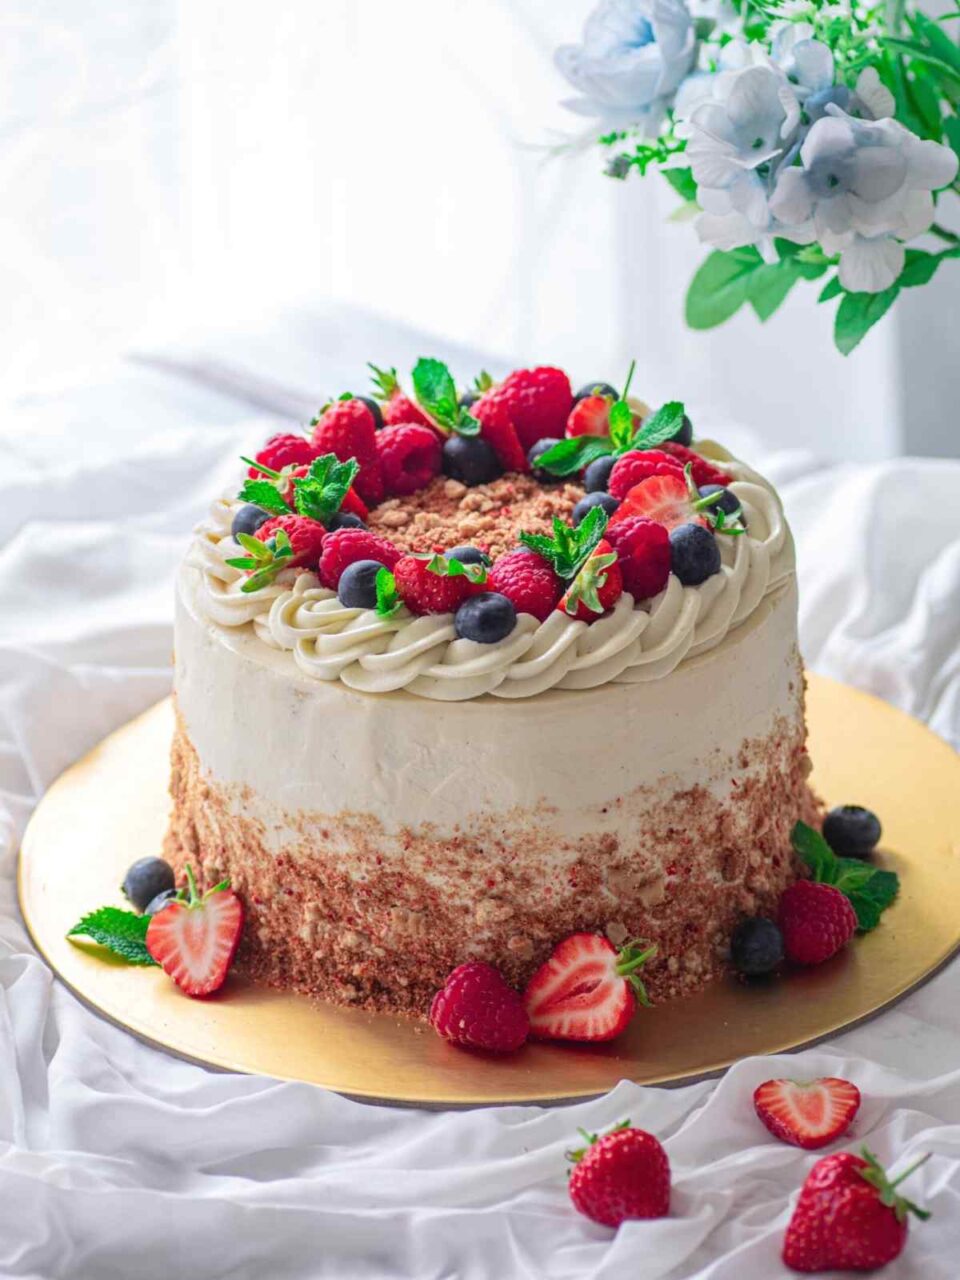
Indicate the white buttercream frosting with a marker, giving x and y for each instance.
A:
(636, 641)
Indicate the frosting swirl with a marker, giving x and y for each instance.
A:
(635, 641)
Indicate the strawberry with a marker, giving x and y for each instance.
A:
(630, 468)
(809, 1114)
(596, 588)
(586, 990)
(282, 542)
(528, 581)
(672, 499)
(306, 538)
(625, 1174)
(643, 548)
(816, 921)
(195, 940)
(590, 417)
(536, 401)
(347, 428)
(397, 407)
(281, 451)
(849, 1216)
(478, 1010)
(409, 457)
(344, 547)
(498, 429)
(434, 584)
(704, 472)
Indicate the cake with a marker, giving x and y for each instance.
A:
(392, 793)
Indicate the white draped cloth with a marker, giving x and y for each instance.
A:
(117, 1161)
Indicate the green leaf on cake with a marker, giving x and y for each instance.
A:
(263, 493)
(436, 392)
(263, 560)
(870, 889)
(320, 493)
(388, 598)
(569, 548)
(444, 568)
(122, 932)
(661, 426)
(570, 456)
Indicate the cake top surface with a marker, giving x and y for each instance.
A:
(507, 540)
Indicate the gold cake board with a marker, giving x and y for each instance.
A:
(110, 808)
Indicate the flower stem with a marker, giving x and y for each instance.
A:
(943, 233)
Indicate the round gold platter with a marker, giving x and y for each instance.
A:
(111, 808)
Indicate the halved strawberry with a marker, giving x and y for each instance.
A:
(195, 940)
(809, 1114)
(587, 990)
(590, 417)
(664, 498)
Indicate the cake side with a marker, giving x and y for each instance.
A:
(380, 841)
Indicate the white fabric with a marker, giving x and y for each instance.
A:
(118, 1162)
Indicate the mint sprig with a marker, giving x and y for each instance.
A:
(320, 493)
(388, 597)
(572, 455)
(569, 548)
(870, 889)
(122, 932)
(264, 560)
(436, 393)
(265, 494)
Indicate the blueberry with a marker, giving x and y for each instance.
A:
(851, 831)
(596, 389)
(470, 460)
(468, 555)
(596, 478)
(468, 398)
(541, 447)
(694, 554)
(486, 618)
(344, 520)
(145, 879)
(249, 519)
(756, 946)
(357, 588)
(685, 434)
(729, 503)
(159, 902)
(374, 408)
(586, 505)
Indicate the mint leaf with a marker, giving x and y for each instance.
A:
(436, 392)
(621, 426)
(388, 598)
(660, 426)
(122, 932)
(263, 493)
(569, 549)
(320, 492)
(858, 313)
(720, 287)
(869, 889)
(569, 456)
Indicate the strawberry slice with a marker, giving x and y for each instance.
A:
(808, 1114)
(664, 498)
(587, 990)
(195, 940)
(590, 417)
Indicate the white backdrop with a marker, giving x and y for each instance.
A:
(166, 160)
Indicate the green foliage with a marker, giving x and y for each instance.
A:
(122, 932)
(869, 889)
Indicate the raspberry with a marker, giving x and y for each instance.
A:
(424, 591)
(537, 402)
(703, 472)
(409, 457)
(644, 550)
(348, 429)
(344, 546)
(816, 920)
(528, 581)
(636, 466)
(284, 450)
(476, 1008)
(306, 537)
(497, 428)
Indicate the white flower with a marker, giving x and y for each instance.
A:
(806, 63)
(865, 185)
(634, 55)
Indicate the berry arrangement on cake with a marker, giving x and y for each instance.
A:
(460, 674)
